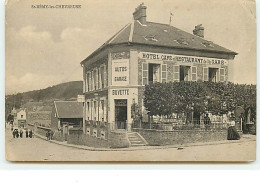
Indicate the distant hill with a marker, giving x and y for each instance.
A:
(64, 91)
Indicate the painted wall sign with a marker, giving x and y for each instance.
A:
(181, 58)
(120, 92)
(120, 72)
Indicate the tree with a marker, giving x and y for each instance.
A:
(183, 97)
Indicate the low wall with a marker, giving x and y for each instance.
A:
(58, 136)
(78, 138)
(96, 138)
(39, 129)
(162, 137)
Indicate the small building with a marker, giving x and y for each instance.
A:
(66, 114)
(21, 118)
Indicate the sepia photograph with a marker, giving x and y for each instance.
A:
(130, 81)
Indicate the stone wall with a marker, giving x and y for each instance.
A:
(58, 136)
(163, 137)
(78, 138)
(98, 135)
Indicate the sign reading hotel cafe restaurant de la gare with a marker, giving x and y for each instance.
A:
(181, 58)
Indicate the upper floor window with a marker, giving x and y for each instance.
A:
(21, 116)
(102, 77)
(95, 74)
(213, 74)
(88, 82)
(152, 72)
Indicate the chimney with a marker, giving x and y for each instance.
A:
(140, 14)
(199, 31)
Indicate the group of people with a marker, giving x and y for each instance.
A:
(17, 133)
(49, 134)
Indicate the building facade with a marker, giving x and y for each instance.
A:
(145, 52)
(21, 118)
(66, 114)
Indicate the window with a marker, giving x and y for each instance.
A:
(21, 116)
(102, 105)
(154, 73)
(91, 81)
(88, 111)
(91, 111)
(95, 110)
(213, 74)
(88, 82)
(185, 73)
(95, 79)
(102, 77)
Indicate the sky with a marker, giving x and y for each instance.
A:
(44, 47)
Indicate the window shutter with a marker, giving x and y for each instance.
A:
(145, 73)
(96, 82)
(105, 76)
(222, 74)
(86, 83)
(90, 81)
(164, 73)
(176, 73)
(205, 74)
(193, 73)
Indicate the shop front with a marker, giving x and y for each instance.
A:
(119, 112)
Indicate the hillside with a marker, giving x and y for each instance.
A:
(61, 91)
(64, 91)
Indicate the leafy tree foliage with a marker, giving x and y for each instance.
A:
(217, 98)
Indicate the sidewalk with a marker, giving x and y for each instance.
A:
(244, 138)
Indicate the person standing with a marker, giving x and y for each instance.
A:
(207, 121)
(48, 135)
(232, 132)
(21, 133)
(30, 134)
(17, 133)
(51, 134)
(14, 133)
(26, 133)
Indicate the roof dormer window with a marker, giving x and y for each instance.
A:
(182, 41)
(207, 44)
(151, 38)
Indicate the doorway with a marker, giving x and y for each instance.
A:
(121, 113)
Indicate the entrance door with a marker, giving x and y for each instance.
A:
(121, 113)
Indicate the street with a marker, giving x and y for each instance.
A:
(36, 149)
